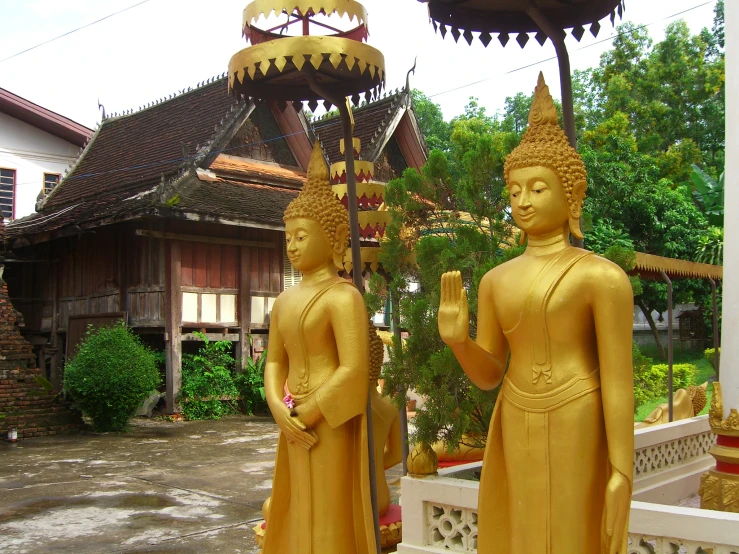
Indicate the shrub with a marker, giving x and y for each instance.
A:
(708, 354)
(208, 388)
(643, 392)
(250, 383)
(682, 378)
(112, 373)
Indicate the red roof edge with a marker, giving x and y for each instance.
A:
(44, 119)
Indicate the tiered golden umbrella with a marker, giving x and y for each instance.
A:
(301, 67)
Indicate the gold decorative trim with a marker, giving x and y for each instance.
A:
(369, 189)
(719, 491)
(390, 535)
(719, 425)
(360, 166)
(677, 268)
(265, 8)
(257, 61)
(356, 142)
(370, 256)
(373, 218)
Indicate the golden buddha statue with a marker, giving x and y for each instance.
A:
(686, 403)
(316, 381)
(385, 423)
(557, 472)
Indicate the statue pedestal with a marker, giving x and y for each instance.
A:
(391, 527)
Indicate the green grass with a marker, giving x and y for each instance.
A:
(704, 371)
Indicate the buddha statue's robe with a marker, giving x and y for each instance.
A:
(546, 463)
(321, 500)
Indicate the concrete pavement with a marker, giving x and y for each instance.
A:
(163, 487)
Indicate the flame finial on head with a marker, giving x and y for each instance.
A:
(542, 107)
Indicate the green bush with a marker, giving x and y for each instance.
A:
(208, 388)
(708, 354)
(682, 377)
(250, 383)
(112, 373)
(643, 386)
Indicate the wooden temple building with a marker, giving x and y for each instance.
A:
(171, 218)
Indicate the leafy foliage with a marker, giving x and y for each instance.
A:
(710, 355)
(250, 383)
(450, 216)
(709, 194)
(643, 386)
(112, 373)
(208, 388)
(650, 380)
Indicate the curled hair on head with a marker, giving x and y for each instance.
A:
(318, 202)
(544, 143)
(377, 354)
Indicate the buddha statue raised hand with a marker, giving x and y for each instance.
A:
(316, 380)
(554, 326)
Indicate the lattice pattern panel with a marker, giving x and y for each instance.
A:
(660, 457)
(640, 544)
(451, 527)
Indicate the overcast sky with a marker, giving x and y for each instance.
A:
(163, 46)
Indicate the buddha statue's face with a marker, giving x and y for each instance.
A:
(538, 202)
(308, 247)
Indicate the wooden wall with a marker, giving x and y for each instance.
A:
(86, 273)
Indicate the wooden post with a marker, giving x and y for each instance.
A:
(244, 308)
(173, 323)
(54, 373)
(123, 272)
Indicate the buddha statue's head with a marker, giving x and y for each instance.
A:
(316, 224)
(545, 176)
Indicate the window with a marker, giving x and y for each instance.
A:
(7, 193)
(51, 180)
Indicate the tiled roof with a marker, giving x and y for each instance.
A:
(264, 172)
(128, 150)
(369, 123)
(237, 189)
(236, 200)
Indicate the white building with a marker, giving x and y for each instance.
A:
(36, 147)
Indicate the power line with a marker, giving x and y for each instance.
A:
(326, 125)
(73, 31)
(576, 50)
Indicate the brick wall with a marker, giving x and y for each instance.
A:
(26, 404)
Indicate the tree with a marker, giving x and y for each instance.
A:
(435, 130)
(451, 215)
(628, 203)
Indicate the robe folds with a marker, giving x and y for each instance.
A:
(321, 500)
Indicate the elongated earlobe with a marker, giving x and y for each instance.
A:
(575, 228)
(522, 238)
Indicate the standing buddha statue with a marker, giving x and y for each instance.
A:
(316, 380)
(557, 472)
